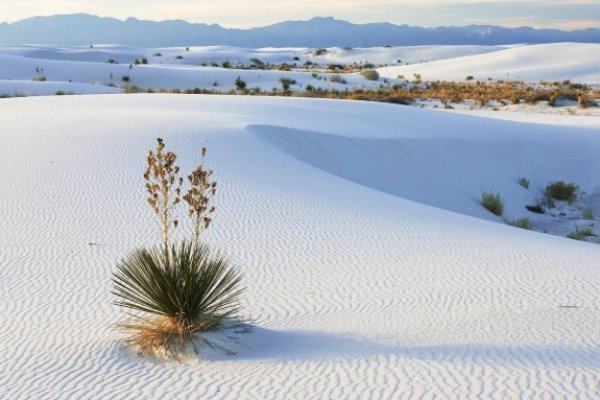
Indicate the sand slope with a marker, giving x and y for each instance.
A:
(356, 291)
(578, 62)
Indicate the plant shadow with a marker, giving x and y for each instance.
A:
(290, 346)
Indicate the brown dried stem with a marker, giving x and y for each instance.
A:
(199, 198)
(163, 186)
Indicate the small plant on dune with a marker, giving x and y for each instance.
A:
(286, 83)
(182, 289)
(39, 75)
(524, 182)
(492, 202)
(370, 74)
(196, 291)
(587, 213)
(580, 233)
(523, 223)
(240, 84)
(559, 190)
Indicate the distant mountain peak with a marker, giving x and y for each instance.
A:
(82, 29)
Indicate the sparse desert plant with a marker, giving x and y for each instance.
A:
(580, 233)
(286, 83)
(319, 52)
(125, 78)
(226, 64)
(469, 78)
(523, 223)
(195, 291)
(559, 190)
(39, 75)
(492, 202)
(337, 78)
(240, 84)
(587, 213)
(370, 74)
(177, 291)
(523, 181)
(163, 186)
(199, 197)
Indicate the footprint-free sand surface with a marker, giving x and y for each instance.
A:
(371, 269)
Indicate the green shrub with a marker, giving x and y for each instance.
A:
(286, 83)
(126, 78)
(370, 74)
(523, 223)
(587, 214)
(337, 78)
(559, 190)
(492, 202)
(319, 52)
(196, 291)
(523, 182)
(580, 233)
(240, 84)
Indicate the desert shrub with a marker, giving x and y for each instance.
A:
(337, 78)
(523, 181)
(157, 55)
(63, 93)
(284, 67)
(197, 290)
(111, 61)
(559, 190)
(580, 233)
(240, 84)
(286, 83)
(319, 52)
(469, 78)
(492, 202)
(126, 78)
(179, 57)
(39, 75)
(257, 63)
(370, 74)
(536, 208)
(523, 223)
(182, 289)
(226, 64)
(587, 214)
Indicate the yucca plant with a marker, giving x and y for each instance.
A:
(194, 290)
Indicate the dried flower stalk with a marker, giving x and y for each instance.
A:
(199, 198)
(163, 186)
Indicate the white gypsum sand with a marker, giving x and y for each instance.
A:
(358, 288)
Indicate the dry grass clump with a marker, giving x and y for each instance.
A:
(581, 233)
(181, 289)
(523, 223)
(559, 190)
(370, 74)
(492, 202)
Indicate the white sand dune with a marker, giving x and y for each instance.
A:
(578, 62)
(86, 69)
(358, 287)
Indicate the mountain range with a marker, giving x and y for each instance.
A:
(84, 29)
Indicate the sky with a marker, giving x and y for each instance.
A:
(564, 14)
